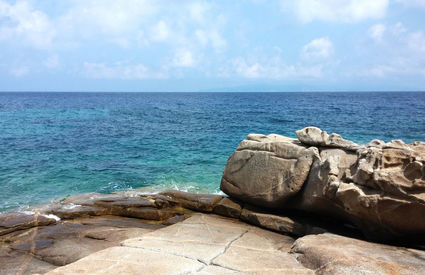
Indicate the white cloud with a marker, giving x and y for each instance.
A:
(376, 32)
(51, 62)
(380, 71)
(420, 3)
(26, 24)
(108, 16)
(399, 52)
(416, 42)
(271, 68)
(119, 70)
(319, 48)
(183, 58)
(347, 11)
(197, 11)
(19, 71)
(160, 32)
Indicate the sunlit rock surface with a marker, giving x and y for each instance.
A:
(379, 186)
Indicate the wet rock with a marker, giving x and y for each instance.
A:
(68, 241)
(333, 254)
(71, 211)
(13, 262)
(18, 221)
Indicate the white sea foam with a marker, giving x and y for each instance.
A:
(49, 216)
(71, 206)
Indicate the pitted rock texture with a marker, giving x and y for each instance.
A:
(379, 186)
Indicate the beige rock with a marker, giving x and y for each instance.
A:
(129, 260)
(253, 260)
(267, 171)
(333, 254)
(201, 244)
(380, 187)
(197, 238)
(316, 137)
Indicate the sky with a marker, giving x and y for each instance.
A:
(179, 45)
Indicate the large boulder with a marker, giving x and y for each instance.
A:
(379, 186)
(267, 170)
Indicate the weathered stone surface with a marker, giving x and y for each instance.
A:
(316, 137)
(228, 207)
(202, 244)
(42, 248)
(196, 202)
(71, 211)
(13, 262)
(197, 238)
(380, 187)
(278, 223)
(333, 254)
(267, 171)
(17, 221)
(259, 261)
(128, 260)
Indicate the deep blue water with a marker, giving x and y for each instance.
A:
(57, 144)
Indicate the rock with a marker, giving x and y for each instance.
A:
(128, 260)
(278, 223)
(18, 221)
(333, 254)
(41, 248)
(71, 211)
(196, 202)
(316, 137)
(228, 208)
(380, 187)
(267, 171)
(13, 262)
(202, 244)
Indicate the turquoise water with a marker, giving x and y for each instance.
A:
(57, 144)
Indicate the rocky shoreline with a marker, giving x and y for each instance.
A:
(311, 205)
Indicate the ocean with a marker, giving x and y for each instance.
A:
(58, 144)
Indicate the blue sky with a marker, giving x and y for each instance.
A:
(140, 45)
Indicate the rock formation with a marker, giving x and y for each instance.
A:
(380, 187)
(133, 233)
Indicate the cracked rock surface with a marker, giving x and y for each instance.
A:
(202, 244)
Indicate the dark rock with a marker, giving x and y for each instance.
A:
(278, 223)
(229, 208)
(196, 202)
(17, 221)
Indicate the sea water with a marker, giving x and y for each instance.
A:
(57, 144)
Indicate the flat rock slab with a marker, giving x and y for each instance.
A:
(202, 244)
(40, 249)
(334, 254)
